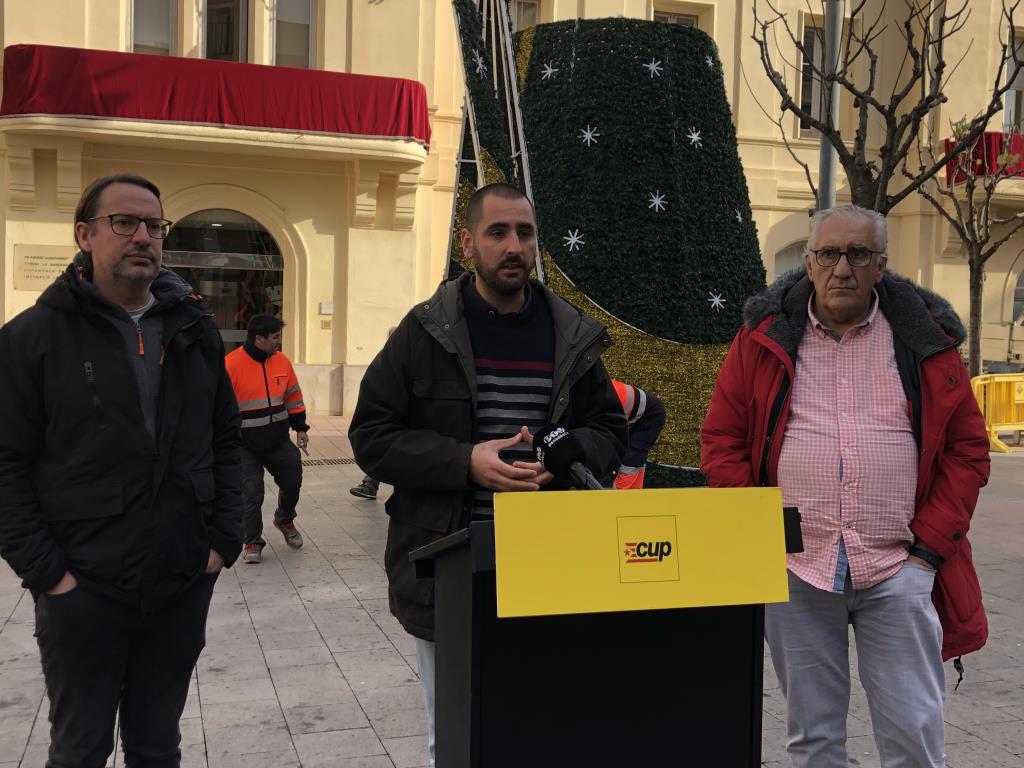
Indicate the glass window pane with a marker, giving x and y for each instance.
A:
(524, 13)
(811, 94)
(151, 26)
(226, 30)
(682, 19)
(291, 41)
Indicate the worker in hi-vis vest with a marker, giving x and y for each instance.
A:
(270, 401)
(645, 414)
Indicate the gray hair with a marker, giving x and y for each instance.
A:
(881, 233)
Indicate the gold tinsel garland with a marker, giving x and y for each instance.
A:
(682, 375)
(492, 175)
(523, 52)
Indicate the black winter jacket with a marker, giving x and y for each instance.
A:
(415, 419)
(83, 487)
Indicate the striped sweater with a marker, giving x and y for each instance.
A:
(514, 355)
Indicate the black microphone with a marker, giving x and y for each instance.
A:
(562, 455)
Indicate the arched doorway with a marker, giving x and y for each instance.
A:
(790, 257)
(234, 262)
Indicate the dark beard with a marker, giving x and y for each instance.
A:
(494, 282)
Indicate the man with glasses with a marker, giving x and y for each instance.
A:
(845, 388)
(120, 483)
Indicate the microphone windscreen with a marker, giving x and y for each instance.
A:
(557, 448)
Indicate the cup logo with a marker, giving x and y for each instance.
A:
(647, 548)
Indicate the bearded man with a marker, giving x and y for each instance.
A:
(447, 409)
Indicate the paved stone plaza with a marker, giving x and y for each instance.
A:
(305, 666)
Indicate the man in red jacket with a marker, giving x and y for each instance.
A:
(845, 388)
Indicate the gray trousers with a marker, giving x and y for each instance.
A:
(899, 653)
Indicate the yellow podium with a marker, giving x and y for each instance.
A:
(607, 628)
(572, 552)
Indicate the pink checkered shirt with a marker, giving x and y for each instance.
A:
(849, 458)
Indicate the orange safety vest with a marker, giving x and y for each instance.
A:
(633, 400)
(267, 393)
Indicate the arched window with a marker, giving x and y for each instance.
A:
(234, 262)
(790, 257)
(1018, 301)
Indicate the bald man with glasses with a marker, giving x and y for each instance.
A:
(845, 388)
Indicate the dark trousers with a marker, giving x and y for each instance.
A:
(643, 433)
(285, 465)
(98, 654)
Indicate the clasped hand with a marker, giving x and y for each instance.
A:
(488, 470)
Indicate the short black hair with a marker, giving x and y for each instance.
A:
(263, 325)
(475, 206)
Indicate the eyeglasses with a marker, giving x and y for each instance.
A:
(856, 255)
(126, 225)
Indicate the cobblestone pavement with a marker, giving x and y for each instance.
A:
(305, 666)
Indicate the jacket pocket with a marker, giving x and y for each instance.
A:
(73, 502)
(441, 389)
(957, 593)
(427, 510)
(205, 490)
(442, 405)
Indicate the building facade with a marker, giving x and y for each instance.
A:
(339, 233)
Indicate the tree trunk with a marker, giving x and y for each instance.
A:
(977, 282)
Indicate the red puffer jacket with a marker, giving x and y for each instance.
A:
(742, 433)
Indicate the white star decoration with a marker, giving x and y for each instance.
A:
(589, 135)
(716, 301)
(694, 137)
(657, 201)
(574, 240)
(739, 217)
(654, 67)
(710, 62)
(481, 68)
(548, 71)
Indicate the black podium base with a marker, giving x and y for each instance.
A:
(658, 688)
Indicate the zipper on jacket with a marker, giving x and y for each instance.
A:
(163, 381)
(773, 423)
(266, 382)
(584, 346)
(90, 377)
(142, 346)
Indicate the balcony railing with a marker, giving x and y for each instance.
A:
(989, 155)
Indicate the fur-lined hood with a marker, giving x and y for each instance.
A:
(922, 319)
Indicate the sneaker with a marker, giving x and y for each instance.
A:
(292, 537)
(364, 490)
(252, 555)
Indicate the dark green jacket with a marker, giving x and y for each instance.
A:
(414, 424)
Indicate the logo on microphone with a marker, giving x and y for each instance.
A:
(548, 440)
(647, 548)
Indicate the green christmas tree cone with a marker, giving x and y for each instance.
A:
(642, 206)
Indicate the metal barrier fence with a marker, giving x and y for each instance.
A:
(1001, 399)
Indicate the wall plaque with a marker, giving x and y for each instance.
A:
(36, 266)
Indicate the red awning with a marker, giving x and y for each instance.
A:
(75, 82)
